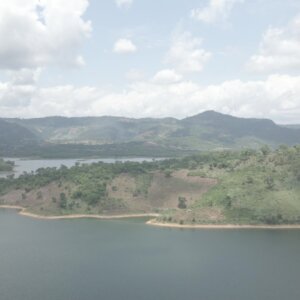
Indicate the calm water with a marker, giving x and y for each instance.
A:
(31, 165)
(91, 259)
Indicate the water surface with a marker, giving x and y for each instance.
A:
(110, 260)
(31, 165)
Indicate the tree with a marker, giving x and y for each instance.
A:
(168, 173)
(227, 202)
(265, 150)
(270, 183)
(182, 203)
(63, 201)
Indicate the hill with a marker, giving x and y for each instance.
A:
(97, 130)
(14, 136)
(293, 126)
(97, 136)
(232, 132)
(246, 187)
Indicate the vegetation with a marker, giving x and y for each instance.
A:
(243, 187)
(181, 202)
(59, 137)
(6, 166)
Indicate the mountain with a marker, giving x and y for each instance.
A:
(293, 126)
(97, 130)
(106, 135)
(14, 136)
(228, 130)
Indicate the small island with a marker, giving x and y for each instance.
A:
(221, 189)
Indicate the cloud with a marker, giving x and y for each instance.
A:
(24, 76)
(134, 75)
(216, 10)
(37, 33)
(277, 97)
(167, 76)
(124, 46)
(279, 49)
(124, 3)
(186, 53)
(17, 96)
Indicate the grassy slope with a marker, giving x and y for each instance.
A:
(124, 193)
(258, 189)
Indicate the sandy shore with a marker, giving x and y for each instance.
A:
(221, 226)
(23, 212)
(153, 222)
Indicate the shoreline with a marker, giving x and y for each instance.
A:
(23, 212)
(152, 222)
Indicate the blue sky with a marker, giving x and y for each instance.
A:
(145, 58)
(151, 24)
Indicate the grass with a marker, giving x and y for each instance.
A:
(255, 193)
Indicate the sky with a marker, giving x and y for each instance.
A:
(146, 58)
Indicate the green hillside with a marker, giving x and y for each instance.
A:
(103, 136)
(245, 187)
(98, 130)
(14, 136)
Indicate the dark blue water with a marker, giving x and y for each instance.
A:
(92, 259)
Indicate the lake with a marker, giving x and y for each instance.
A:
(31, 165)
(126, 259)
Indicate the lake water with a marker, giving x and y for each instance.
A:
(112, 260)
(31, 165)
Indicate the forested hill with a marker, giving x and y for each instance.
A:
(226, 187)
(206, 131)
(226, 128)
(14, 136)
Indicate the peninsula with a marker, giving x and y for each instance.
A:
(248, 188)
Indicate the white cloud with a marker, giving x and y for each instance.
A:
(277, 98)
(279, 49)
(135, 75)
(16, 96)
(37, 33)
(167, 76)
(124, 46)
(186, 53)
(216, 10)
(24, 76)
(124, 3)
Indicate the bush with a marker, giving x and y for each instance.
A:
(182, 203)
(63, 201)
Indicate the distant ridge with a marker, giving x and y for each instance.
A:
(209, 130)
(13, 135)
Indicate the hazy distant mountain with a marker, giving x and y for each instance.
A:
(205, 131)
(14, 136)
(294, 126)
(97, 130)
(228, 130)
